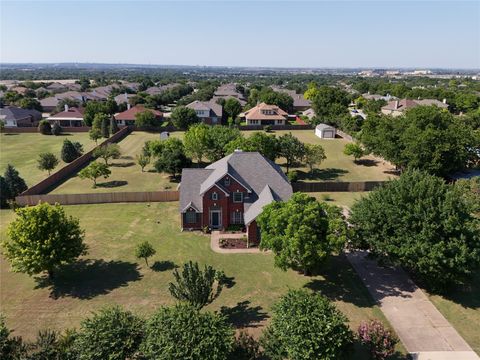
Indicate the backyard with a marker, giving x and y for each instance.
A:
(21, 151)
(111, 274)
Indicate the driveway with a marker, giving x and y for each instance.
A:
(423, 330)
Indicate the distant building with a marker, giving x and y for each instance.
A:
(387, 97)
(124, 99)
(398, 107)
(229, 90)
(209, 112)
(13, 116)
(264, 114)
(324, 131)
(128, 117)
(70, 117)
(299, 101)
(309, 113)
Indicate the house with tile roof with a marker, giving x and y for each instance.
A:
(231, 191)
(13, 116)
(264, 114)
(128, 116)
(70, 117)
(209, 112)
(398, 107)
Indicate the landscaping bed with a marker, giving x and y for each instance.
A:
(235, 243)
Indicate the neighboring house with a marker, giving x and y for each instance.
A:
(324, 131)
(123, 98)
(309, 113)
(209, 112)
(50, 103)
(229, 90)
(20, 90)
(70, 117)
(215, 98)
(299, 102)
(56, 87)
(128, 117)
(387, 97)
(231, 191)
(264, 114)
(13, 116)
(398, 107)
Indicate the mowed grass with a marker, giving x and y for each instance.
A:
(342, 199)
(22, 150)
(126, 174)
(110, 274)
(337, 166)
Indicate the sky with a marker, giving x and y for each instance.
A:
(386, 34)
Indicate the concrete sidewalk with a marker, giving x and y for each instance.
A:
(423, 330)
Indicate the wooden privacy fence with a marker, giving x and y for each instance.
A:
(331, 186)
(72, 168)
(99, 198)
(34, 129)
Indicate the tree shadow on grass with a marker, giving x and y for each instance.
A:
(112, 184)
(244, 315)
(321, 174)
(361, 352)
(123, 164)
(126, 157)
(165, 265)
(367, 162)
(467, 294)
(86, 279)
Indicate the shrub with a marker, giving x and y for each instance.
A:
(292, 176)
(306, 326)
(246, 348)
(380, 341)
(56, 129)
(44, 127)
(71, 150)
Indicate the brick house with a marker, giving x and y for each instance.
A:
(231, 191)
(264, 114)
(128, 116)
(209, 112)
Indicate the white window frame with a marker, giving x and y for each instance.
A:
(189, 220)
(227, 181)
(236, 217)
(241, 197)
(215, 196)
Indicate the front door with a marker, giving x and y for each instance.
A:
(215, 219)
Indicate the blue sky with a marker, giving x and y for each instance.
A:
(243, 33)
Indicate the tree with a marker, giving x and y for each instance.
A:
(94, 171)
(329, 104)
(301, 232)
(181, 332)
(306, 326)
(311, 92)
(44, 127)
(182, 117)
(95, 134)
(218, 138)
(106, 152)
(267, 145)
(196, 141)
(105, 128)
(196, 287)
(380, 341)
(98, 120)
(11, 348)
(113, 126)
(42, 238)
(14, 183)
(143, 160)
(355, 150)
(292, 149)
(422, 224)
(232, 108)
(145, 119)
(71, 150)
(314, 155)
(47, 161)
(111, 333)
(144, 250)
(30, 103)
(4, 193)
(92, 109)
(172, 159)
(56, 129)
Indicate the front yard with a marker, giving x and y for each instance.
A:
(111, 274)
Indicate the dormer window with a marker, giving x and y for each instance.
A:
(214, 196)
(237, 197)
(227, 181)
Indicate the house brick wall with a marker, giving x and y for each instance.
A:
(253, 233)
(198, 225)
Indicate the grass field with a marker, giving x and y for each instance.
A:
(110, 274)
(338, 198)
(21, 150)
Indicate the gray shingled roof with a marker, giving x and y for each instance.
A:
(251, 169)
(16, 113)
(214, 108)
(324, 126)
(255, 209)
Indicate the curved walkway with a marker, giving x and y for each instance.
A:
(423, 330)
(215, 239)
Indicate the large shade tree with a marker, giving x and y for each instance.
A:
(421, 224)
(42, 238)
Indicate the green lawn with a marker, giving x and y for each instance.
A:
(110, 274)
(21, 150)
(126, 174)
(338, 198)
(337, 166)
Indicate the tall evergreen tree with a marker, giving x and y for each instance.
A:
(4, 193)
(71, 150)
(105, 127)
(15, 184)
(113, 126)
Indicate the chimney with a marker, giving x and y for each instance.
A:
(66, 107)
(238, 150)
(395, 106)
(444, 101)
(128, 105)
